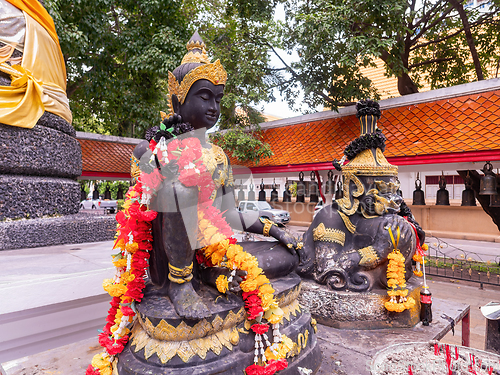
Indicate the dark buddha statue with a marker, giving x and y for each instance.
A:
(185, 321)
(196, 88)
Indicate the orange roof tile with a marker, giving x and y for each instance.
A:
(105, 157)
(455, 125)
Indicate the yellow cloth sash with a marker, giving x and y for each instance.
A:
(39, 83)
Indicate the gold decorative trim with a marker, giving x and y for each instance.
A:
(347, 222)
(369, 258)
(301, 344)
(321, 233)
(183, 332)
(314, 324)
(180, 275)
(135, 171)
(166, 350)
(368, 164)
(212, 158)
(286, 299)
(213, 72)
(347, 207)
(292, 308)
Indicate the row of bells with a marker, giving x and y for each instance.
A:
(442, 195)
(330, 188)
(487, 186)
(95, 194)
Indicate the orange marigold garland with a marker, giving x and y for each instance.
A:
(396, 281)
(134, 243)
(134, 240)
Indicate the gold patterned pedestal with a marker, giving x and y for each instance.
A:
(162, 343)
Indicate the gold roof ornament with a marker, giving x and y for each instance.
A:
(366, 157)
(197, 54)
(370, 162)
(365, 154)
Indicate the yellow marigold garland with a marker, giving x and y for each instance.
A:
(396, 281)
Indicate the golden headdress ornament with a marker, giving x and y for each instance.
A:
(366, 156)
(213, 72)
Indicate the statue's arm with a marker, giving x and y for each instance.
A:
(250, 222)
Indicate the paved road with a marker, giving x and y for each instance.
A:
(463, 249)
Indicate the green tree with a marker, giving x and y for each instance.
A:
(238, 33)
(442, 41)
(117, 57)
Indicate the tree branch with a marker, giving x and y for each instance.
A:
(432, 61)
(468, 36)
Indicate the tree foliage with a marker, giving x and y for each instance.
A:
(238, 33)
(442, 41)
(117, 57)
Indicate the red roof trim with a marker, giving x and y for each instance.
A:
(456, 157)
(459, 157)
(125, 176)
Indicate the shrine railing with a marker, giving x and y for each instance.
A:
(450, 261)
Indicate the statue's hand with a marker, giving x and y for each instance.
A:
(234, 285)
(392, 222)
(292, 241)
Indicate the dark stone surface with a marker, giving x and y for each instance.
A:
(492, 341)
(227, 314)
(50, 120)
(39, 151)
(352, 310)
(79, 228)
(34, 197)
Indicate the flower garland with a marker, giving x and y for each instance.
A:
(134, 239)
(396, 279)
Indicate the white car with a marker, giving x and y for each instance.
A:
(90, 204)
(265, 210)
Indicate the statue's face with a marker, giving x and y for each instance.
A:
(381, 195)
(201, 107)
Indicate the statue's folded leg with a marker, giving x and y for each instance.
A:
(274, 258)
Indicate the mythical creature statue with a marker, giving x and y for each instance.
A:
(347, 245)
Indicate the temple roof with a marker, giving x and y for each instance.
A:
(465, 126)
(106, 156)
(458, 124)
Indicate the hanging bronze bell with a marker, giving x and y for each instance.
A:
(495, 200)
(301, 189)
(262, 192)
(107, 193)
(330, 184)
(119, 193)
(418, 193)
(241, 193)
(488, 183)
(95, 194)
(313, 189)
(442, 196)
(251, 193)
(468, 195)
(287, 196)
(274, 192)
(339, 193)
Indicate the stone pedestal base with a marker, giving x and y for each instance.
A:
(492, 341)
(79, 228)
(351, 310)
(163, 343)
